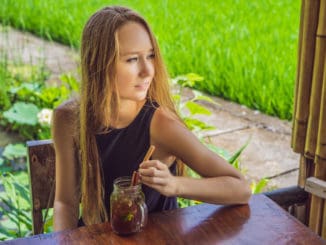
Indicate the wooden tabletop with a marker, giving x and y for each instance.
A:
(260, 222)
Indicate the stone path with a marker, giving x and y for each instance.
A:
(268, 154)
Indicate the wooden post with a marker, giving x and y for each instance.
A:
(310, 13)
(323, 228)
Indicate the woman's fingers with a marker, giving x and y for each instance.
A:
(156, 175)
(154, 168)
(166, 186)
(153, 163)
(153, 175)
(151, 172)
(153, 180)
(154, 172)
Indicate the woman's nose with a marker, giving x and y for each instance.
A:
(146, 68)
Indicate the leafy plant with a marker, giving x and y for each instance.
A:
(15, 207)
(257, 187)
(189, 108)
(19, 80)
(31, 101)
(22, 113)
(22, 118)
(4, 98)
(13, 158)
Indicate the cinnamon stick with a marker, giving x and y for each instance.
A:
(149, 152)
(134, 178)
(135, 175)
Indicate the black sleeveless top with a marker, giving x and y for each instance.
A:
(122, 150)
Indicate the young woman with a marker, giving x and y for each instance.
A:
(124, 107)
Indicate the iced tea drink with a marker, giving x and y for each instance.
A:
(128, 210)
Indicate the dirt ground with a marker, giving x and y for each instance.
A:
(268, 153)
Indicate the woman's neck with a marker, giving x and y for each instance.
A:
(127, 112)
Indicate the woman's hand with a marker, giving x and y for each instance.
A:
(156, 175)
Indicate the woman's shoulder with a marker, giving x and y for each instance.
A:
(165, 121)
(169, 133)
(164, 115)
(65, 123)
(66, 113)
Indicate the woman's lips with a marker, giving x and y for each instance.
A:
(142, 86)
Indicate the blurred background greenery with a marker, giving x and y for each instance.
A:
(245, 50)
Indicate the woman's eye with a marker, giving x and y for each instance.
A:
(133, 59)
(151, 56)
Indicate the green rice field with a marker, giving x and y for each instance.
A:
(245, 50)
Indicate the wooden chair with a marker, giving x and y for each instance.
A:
(316, 187)
(317, 214)
(41, 169)
(293, 199)
(297, 201)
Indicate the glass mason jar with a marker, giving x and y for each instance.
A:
(128, 210)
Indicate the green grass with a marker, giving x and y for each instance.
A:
(246, 50)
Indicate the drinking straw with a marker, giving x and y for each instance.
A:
(135, 174)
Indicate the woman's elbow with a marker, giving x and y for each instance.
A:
(65, 216)
(245, 192)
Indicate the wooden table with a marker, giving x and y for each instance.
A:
(260, 222)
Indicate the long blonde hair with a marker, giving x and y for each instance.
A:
(99, 100)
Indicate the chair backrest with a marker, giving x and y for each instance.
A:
(41, 169)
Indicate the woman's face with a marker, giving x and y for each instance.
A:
(135, 64)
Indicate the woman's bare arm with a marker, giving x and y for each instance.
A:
(220, 183)
(66, 202)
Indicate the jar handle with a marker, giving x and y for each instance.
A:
(144, 214)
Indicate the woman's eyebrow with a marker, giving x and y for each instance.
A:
(136, 52)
